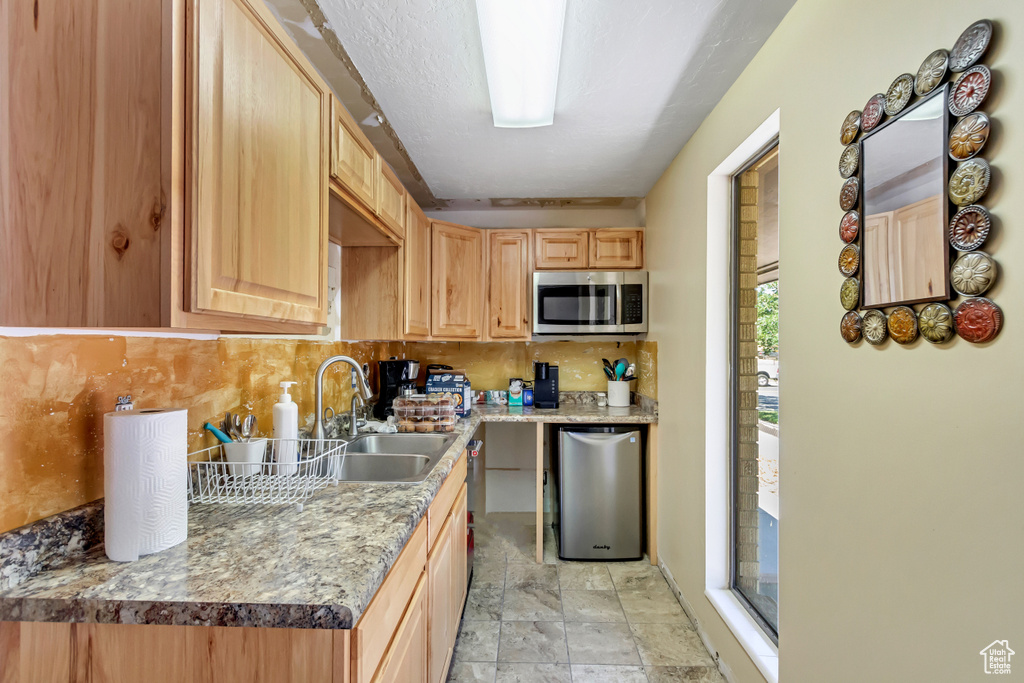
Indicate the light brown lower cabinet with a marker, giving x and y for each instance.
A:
(406, 659)
(406, 634)
(439, 582)
(114, 653)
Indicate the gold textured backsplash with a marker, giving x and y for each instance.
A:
(57, 389)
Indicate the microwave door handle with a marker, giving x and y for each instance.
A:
(617, 293)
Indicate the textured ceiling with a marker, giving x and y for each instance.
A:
(636, 79)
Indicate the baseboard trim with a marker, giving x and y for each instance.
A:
(723, 668)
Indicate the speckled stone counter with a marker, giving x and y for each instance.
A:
(268, 566)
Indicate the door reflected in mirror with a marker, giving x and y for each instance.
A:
(905, 251)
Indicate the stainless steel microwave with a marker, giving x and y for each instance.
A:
(590, 303)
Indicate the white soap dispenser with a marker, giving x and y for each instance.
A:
(286, 431)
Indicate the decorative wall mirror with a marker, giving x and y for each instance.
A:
(913, 228)
(905, 252)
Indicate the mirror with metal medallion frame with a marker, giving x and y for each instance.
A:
(904, 169)
(912, 229)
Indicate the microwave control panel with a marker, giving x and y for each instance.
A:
(632, 305)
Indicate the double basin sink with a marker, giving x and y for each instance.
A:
(394, 458)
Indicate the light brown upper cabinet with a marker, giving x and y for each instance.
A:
(508, 284)
(561, 249)
(84, 196)
(258, 225)
(598, 249)
(391, 198)
(617, 249)
(457, 263)
(353, 158)
(416, 257)
(181, 180)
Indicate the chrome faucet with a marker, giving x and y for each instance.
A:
(362, 390)
(354, 421)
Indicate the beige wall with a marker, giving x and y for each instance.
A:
(901, 469)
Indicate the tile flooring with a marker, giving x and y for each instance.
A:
(579, 622)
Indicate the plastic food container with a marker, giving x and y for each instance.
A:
(422, 413)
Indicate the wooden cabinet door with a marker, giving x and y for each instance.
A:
(457, 276)
(353, 158)
(391, 198)
(258, 224)
(561, 249)
(460, 527)
(416, 255)
(616, 249)
(83, 212)
(406, 659)
(441, 636)
(508, 284)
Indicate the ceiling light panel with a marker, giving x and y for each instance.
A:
(522, 43)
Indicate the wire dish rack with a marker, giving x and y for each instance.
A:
(264, 471)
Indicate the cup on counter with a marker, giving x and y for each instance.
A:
(246, 456)
(618, 394)
(602, 400)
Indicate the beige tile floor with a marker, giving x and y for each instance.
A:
(578, 622)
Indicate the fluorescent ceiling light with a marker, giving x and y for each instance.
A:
(522, 42)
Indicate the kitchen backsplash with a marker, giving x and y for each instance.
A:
(57, 389)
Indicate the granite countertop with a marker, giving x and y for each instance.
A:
(251, 565)
(566, 413)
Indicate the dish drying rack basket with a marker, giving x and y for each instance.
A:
(272, 480)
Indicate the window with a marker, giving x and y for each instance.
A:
(754, 389)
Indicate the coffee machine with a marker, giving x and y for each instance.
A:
(545, 385)
(394, 376)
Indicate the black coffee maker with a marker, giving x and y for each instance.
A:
(545, 385)
(394, 376)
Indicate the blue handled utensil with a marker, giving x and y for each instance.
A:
(620, 369)
(221, 436)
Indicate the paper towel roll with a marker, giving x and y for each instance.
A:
(145, 481)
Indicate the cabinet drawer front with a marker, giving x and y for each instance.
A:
(561, 249)
(442, 504)
(371, 636)
(390, 199)
(258, 227)
(353, 158)
(614, 249)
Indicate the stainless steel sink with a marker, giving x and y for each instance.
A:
(403, 444)
(365, 467)
(394, 458)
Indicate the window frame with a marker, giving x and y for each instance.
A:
(734, 390)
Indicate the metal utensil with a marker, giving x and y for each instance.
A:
(233, 426)
(608, 372)
(248, 427)
(608, 366)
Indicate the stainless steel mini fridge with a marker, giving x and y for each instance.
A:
(600, 493)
